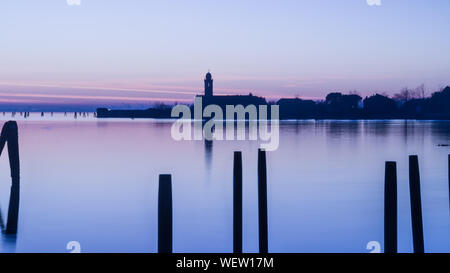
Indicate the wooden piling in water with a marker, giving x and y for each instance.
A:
(10, 136)
(390, 208)
(237, 202)
(165, 214)
(14, 164)
(416, 204)
(262, 202)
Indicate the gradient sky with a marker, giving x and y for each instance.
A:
(146, 51)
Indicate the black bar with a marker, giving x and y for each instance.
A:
(237, 203)
(390, 208)
(262, 202)
(416, 204)
(274, 262)
(165, 214)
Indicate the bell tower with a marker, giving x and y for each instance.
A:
(208, 85)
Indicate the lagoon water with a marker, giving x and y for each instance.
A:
(96, 182)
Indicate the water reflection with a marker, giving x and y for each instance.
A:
(336, 129)
(440, 132)
(9, 232)
(208, 153)
(377, 128)
(13, 210)
(329, 174)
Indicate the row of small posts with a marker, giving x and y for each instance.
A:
(165, 225)
(390, 206)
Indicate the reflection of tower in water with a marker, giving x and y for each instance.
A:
(208, 153)
(208, 143)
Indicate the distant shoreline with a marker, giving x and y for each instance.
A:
(93, 117)
(155, 113)
(335, 106)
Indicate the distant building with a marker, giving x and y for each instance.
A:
(208, 85)
(222, 101)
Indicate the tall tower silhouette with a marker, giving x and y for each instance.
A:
(208, 85)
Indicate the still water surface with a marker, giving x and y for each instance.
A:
(96, 182)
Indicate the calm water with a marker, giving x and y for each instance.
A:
(96, 182)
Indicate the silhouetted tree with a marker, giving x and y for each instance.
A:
(407, 94)
(412, 108)
(337, 103)
(420, 91)
(333, 98)
(380, 105)
(296, 108)
(403, 96)
(439, 102)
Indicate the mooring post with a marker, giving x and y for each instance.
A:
(165, 214)
(449, 180)
(237, 202)
(14, 163)
(390, 208)
(416, 204)
(262, 202)
(10, 136)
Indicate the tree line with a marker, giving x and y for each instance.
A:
(407, 104)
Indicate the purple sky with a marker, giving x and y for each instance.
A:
(140, 52)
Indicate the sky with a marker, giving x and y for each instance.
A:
(135, 52)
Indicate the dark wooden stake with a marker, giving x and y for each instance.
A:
(262, 202)
(13, 154)
(10, 136)
(390, 208)
(416, 204)
(237, 203)
(165, 214)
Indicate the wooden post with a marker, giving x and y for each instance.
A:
(165, 214)
(10, 136)
(237, 203)
(416, 204)
(14, 164)
(449, 180)
(390, 208)
(262, 202)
